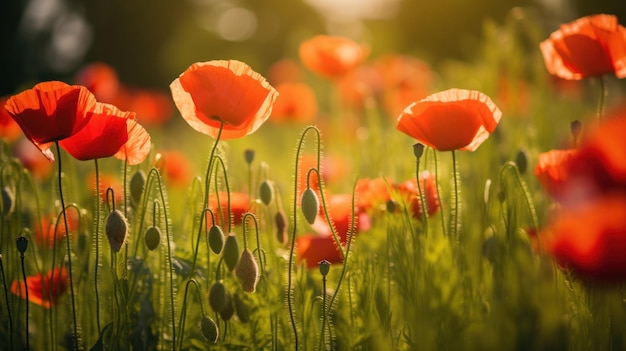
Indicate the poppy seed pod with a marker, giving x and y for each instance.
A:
(265, 192)
(310, 205)
(218, 296)
(209, 329)
(247, 271)
(116, 229)
(216, 239)
(137, 182)
(280, 220)
(231, 251)
(152, 237)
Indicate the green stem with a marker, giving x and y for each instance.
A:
(603, 94)
(454, 212)
(443, 219)
(323, 331)
(6, 296)
(27, 298)
(422, 199)
(69, 250)
(97, 243)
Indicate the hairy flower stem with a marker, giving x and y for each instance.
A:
(421, 198)
(454, 211)
(69, 251)
(6, 296)
(324, 315)
(524, 189)
(27, 298)
(96, 238)
(294, 231)
(443, 220)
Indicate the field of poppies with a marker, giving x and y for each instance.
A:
(339, 200)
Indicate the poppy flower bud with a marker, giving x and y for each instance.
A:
(310, 205)
(8, 200)
(228, 311)
(280, 220)
(116, 229)
(209, 329)
(231, 251)
(218, 296)
(265, 192)
(241, 309)
(152, 237)
(21, 243)
(418, 150)
(248, 155)
(324, 267)
(521, 161)
(137, 183)
(216, 239)
(247, 271)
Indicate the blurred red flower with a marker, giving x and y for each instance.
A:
(409, 192)
(451, 119)
(208, 94)
(587, 47)
(239, 205)
(296, 102)
(372, 193)
(9, 129)
(331, 56)
(44, 289)
(101, 79)
(51, 111)
(591, 239)
(340, 211)
(552, 171)
(107, 181)
(285, 71)
(176, 167)
(313, 248)
(44, 234)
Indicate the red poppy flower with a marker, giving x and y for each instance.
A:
(296, 102)
(408, 191)
(285, 71)
(404, 79)
(331, 56)
(9, 129)
(107, 181)
(210, 93)
(51, 111)
(451, 119)
(44, 289)
(104, 134)
(340, 211)
(591, 239)
(101, 79)
(313, 248)
(553, 171)
(239, 205)
(589, 46)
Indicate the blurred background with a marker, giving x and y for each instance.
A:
(150, 42)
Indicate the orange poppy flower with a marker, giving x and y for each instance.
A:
(408, 191)
(9, 129)
(104, 134)
(44, 289)
(285, 71)
(340, 211)
(296, 103)
(107, 181)
(239, 205)
(209, 94)
(313, 248)
(101, 79)
(51, 111)
(451, 119)
(372, 193)
(591, 239)
(405, 79)
(587, 47)
(553, 171)
(331, 56)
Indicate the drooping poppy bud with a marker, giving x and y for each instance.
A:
(218, 296)
(265, 192)
(116, 229)
(241, 309)
(209, 329)
(152, 237)
(310, 205)
(137, 182)
(280, 220)
(247, 271)
(216, 239)
(231, 251)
